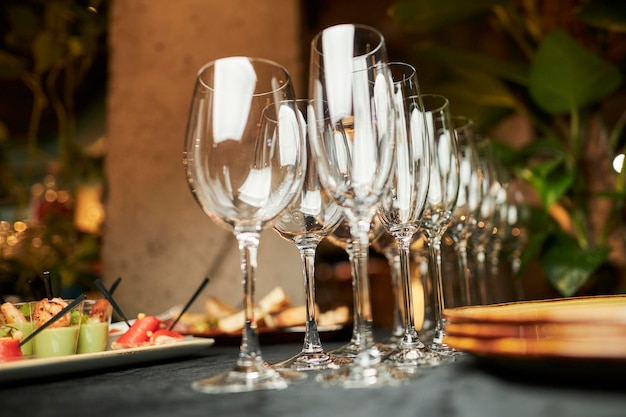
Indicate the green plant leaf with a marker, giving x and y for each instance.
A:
(604, 14)
(480, 89)
(550, 180)
(565, 76)
(425, 15)
(569, 266)
(533, 248)
(456, 58)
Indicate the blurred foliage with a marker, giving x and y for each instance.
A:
(47, 48)
(560, 65)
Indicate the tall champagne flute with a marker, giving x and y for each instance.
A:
(467, 204)
(441, 201)
(245, 160)
(402, 207)
(306, 221)
(350, 81)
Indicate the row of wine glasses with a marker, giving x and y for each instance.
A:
(498, 216)
(487, 225)
(365, 148)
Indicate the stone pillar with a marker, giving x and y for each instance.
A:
(155, 235)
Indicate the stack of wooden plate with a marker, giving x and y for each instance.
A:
(581, 327)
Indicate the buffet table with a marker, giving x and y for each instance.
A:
(464, 387)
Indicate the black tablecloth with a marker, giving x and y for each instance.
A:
(461, 388)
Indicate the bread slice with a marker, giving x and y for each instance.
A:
(273, 301)
(340, 315)
(216, 309)
(292, 316)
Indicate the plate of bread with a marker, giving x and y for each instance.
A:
(277, 320)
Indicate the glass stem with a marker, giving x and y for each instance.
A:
(427, 289)
(312, 343)
(410, 335)
(396, 285)
(360, 238)
(481, 274)
(435, 260)
(250, 349)
(466, 273)
(356, 332)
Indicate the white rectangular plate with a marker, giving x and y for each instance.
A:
(37, 368)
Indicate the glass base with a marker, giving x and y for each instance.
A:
(393, 341)
(443, 349)
(366, 371)
(412, 357)
(312, 361)
(355, 376)
(250, 377)
(352, 349)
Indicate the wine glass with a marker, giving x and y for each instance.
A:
(516, 235)
(467, 204)
(245, 160)
(306, 221)
(481, 234)
(402, 207)
(501, 288)
(350, 81)
(441, 201)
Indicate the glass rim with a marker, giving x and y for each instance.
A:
(400, 64)
(443, 105)
(381, 38)
(297, 102)
(266, 61)
(464, 122)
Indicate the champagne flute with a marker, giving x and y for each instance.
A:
(442, 196)
(245, 160)
(306, 221)
(350, 81)
(467, 204)
(402, 207)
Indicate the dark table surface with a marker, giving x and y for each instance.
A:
(465, 387)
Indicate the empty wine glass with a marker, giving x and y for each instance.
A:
(245, 160)
(306, 221)
(350, 81)
(442, 196)
(516, 234)
(467, 204)
(402, 207)
(502, 289)
(483, 229)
